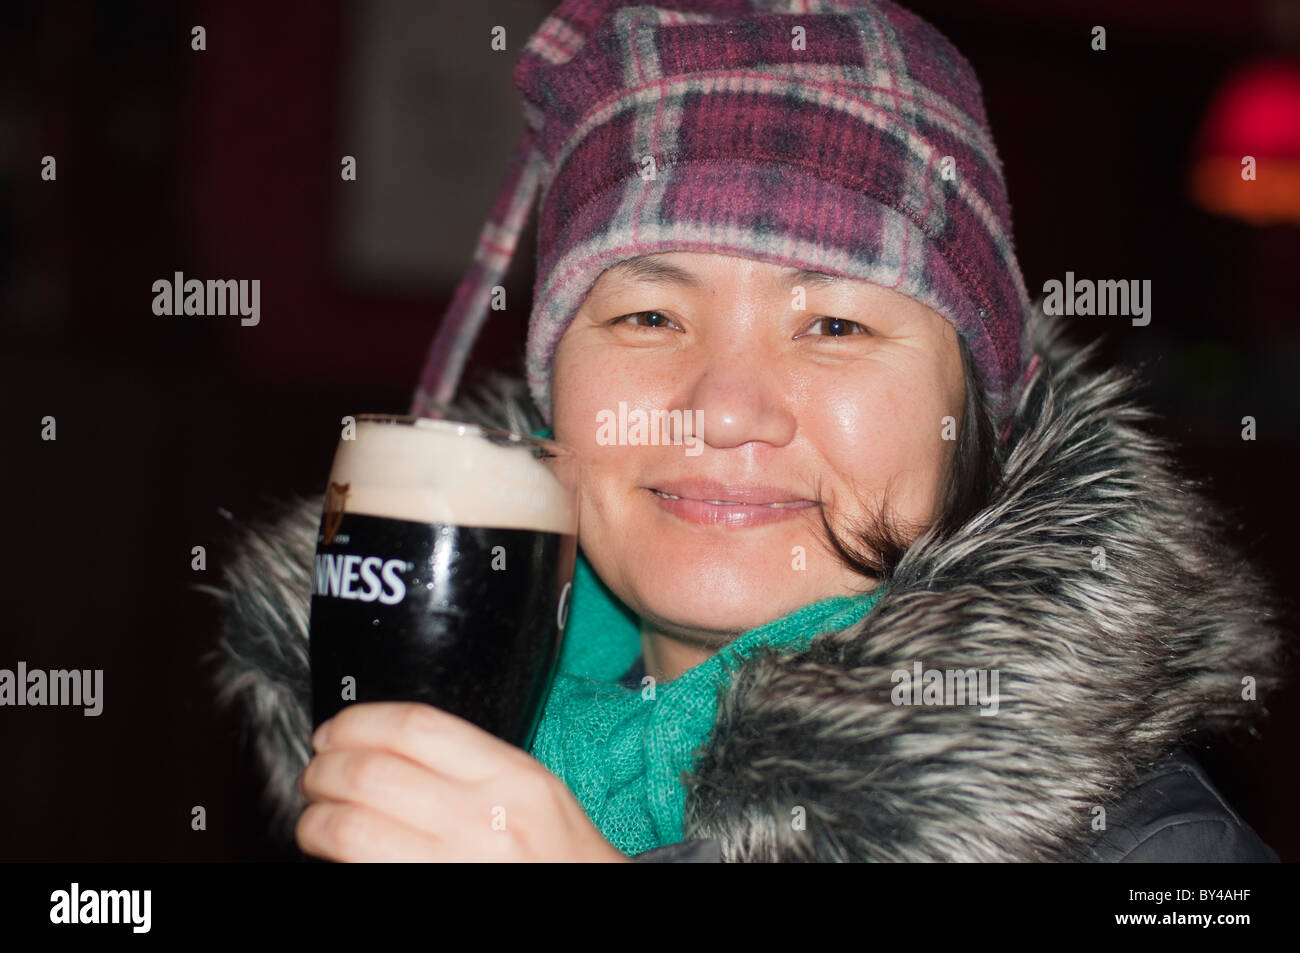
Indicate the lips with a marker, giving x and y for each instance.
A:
(711, 503)
(709, 491)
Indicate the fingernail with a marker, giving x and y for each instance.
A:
(320, 741)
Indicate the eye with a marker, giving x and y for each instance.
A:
(657, 319)
(837, 327)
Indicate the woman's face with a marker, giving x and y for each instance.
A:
(841, 388)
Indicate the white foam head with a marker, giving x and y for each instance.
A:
(434, 471)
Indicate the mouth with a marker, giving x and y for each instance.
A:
(710, 504)
(792, 504)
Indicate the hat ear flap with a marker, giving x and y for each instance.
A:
(464, 317)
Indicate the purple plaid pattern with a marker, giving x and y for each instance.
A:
(830, 157)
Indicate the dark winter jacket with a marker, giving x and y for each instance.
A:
(1098, 583)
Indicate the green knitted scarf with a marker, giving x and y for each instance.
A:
(622, 751)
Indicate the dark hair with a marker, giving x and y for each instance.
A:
(976, 470)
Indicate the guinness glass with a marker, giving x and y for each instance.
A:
(442, 572)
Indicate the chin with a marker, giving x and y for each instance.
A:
(729, 593)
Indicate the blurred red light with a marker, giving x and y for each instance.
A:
(1255, 114)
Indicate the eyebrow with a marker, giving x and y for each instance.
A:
(652, 269)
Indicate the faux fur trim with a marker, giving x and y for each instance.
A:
(1101, 671)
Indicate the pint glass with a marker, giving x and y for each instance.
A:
(443, 566)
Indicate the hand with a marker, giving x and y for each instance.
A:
(403, 781)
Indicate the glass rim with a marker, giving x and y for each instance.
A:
(462, 428)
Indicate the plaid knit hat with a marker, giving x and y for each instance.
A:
(844, 136)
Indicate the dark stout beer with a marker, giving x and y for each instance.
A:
(442, 572)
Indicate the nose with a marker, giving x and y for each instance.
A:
(741, 399)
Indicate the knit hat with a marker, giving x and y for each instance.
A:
(843, 136)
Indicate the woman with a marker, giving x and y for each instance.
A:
(788, 221)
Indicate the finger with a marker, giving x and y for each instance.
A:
(351, 833)
(409, 793)
(426, 735)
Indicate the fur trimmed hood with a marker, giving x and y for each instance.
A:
(1098, 585)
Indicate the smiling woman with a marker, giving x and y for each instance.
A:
(909, 490)
(826, 425)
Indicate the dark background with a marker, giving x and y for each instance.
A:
(225, 163)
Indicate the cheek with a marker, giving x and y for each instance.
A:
(589, 378)
(580, 388)
(571, 392)
(584, 383)
(884, 434)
